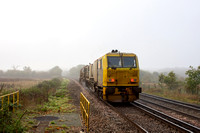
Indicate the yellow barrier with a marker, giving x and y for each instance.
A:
(85, 109)
(14, 94)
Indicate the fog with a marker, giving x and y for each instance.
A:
(44, 33)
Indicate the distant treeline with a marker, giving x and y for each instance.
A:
(27, 73)
(74, 72)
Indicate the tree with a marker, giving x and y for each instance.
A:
(193, 80)
(148, 77)
(170, 80)
(74, 72)
(55, 72)
(27, 72)
(161, 78)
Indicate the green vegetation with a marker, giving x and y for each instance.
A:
(58, 102)
(52, 122)
(39, 94)
(170, 80)
(10, 122)
(176, 94)
(193, 80)
(47, 97)
(147, 77)
(173, 87)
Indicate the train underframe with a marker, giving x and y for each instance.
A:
(114, 93)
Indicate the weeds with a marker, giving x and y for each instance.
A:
(11, 122)
(177, 94)
(39, 94)
(45, 97)
(58, 102)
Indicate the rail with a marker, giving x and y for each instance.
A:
(178, 124)
(138, 127)
(171, 109)
(85, 110)
(14, 95)
(186, 105)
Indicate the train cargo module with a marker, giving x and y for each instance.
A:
(114, 77)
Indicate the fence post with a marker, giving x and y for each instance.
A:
(13, 103)
(85, 110)
(17, 99)
(12, 100)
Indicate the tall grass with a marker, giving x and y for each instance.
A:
(49, 94)
(39, 93)
(9, 86)
(179, 94)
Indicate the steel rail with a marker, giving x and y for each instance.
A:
(174, 110)
(186, 105)
(138, 127)
(177, 124)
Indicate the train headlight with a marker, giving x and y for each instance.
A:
(133, 80)
(111, 80)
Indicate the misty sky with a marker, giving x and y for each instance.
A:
(44, 33)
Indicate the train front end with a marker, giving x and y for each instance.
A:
(121, 77)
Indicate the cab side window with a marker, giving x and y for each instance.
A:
(100, 64)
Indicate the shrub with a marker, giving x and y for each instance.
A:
(10, 122)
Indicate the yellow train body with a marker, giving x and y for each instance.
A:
(115, 77)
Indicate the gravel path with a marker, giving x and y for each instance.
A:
(102, 118)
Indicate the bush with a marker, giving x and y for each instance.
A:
(10, 122)
(41, 91)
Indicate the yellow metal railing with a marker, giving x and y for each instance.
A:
(14, 95)
(85, 110)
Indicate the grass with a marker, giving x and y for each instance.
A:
(13, 85)
(177, 94)
(44, 97)
(58, 102)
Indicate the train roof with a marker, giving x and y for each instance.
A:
(119, 53)
(116, 52)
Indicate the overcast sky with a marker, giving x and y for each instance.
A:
(44, 33)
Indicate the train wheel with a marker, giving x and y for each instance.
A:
(100, 93)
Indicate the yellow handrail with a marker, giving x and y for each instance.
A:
(85, 109)
(13, 100)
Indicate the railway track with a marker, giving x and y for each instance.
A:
(187, 112)
(171, 121)
(170, 109)
(158, 119)
(174, 102)
(138, 127)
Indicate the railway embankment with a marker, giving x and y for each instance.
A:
(58, 114)
(44, 107)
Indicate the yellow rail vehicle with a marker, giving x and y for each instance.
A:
(114, 77)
